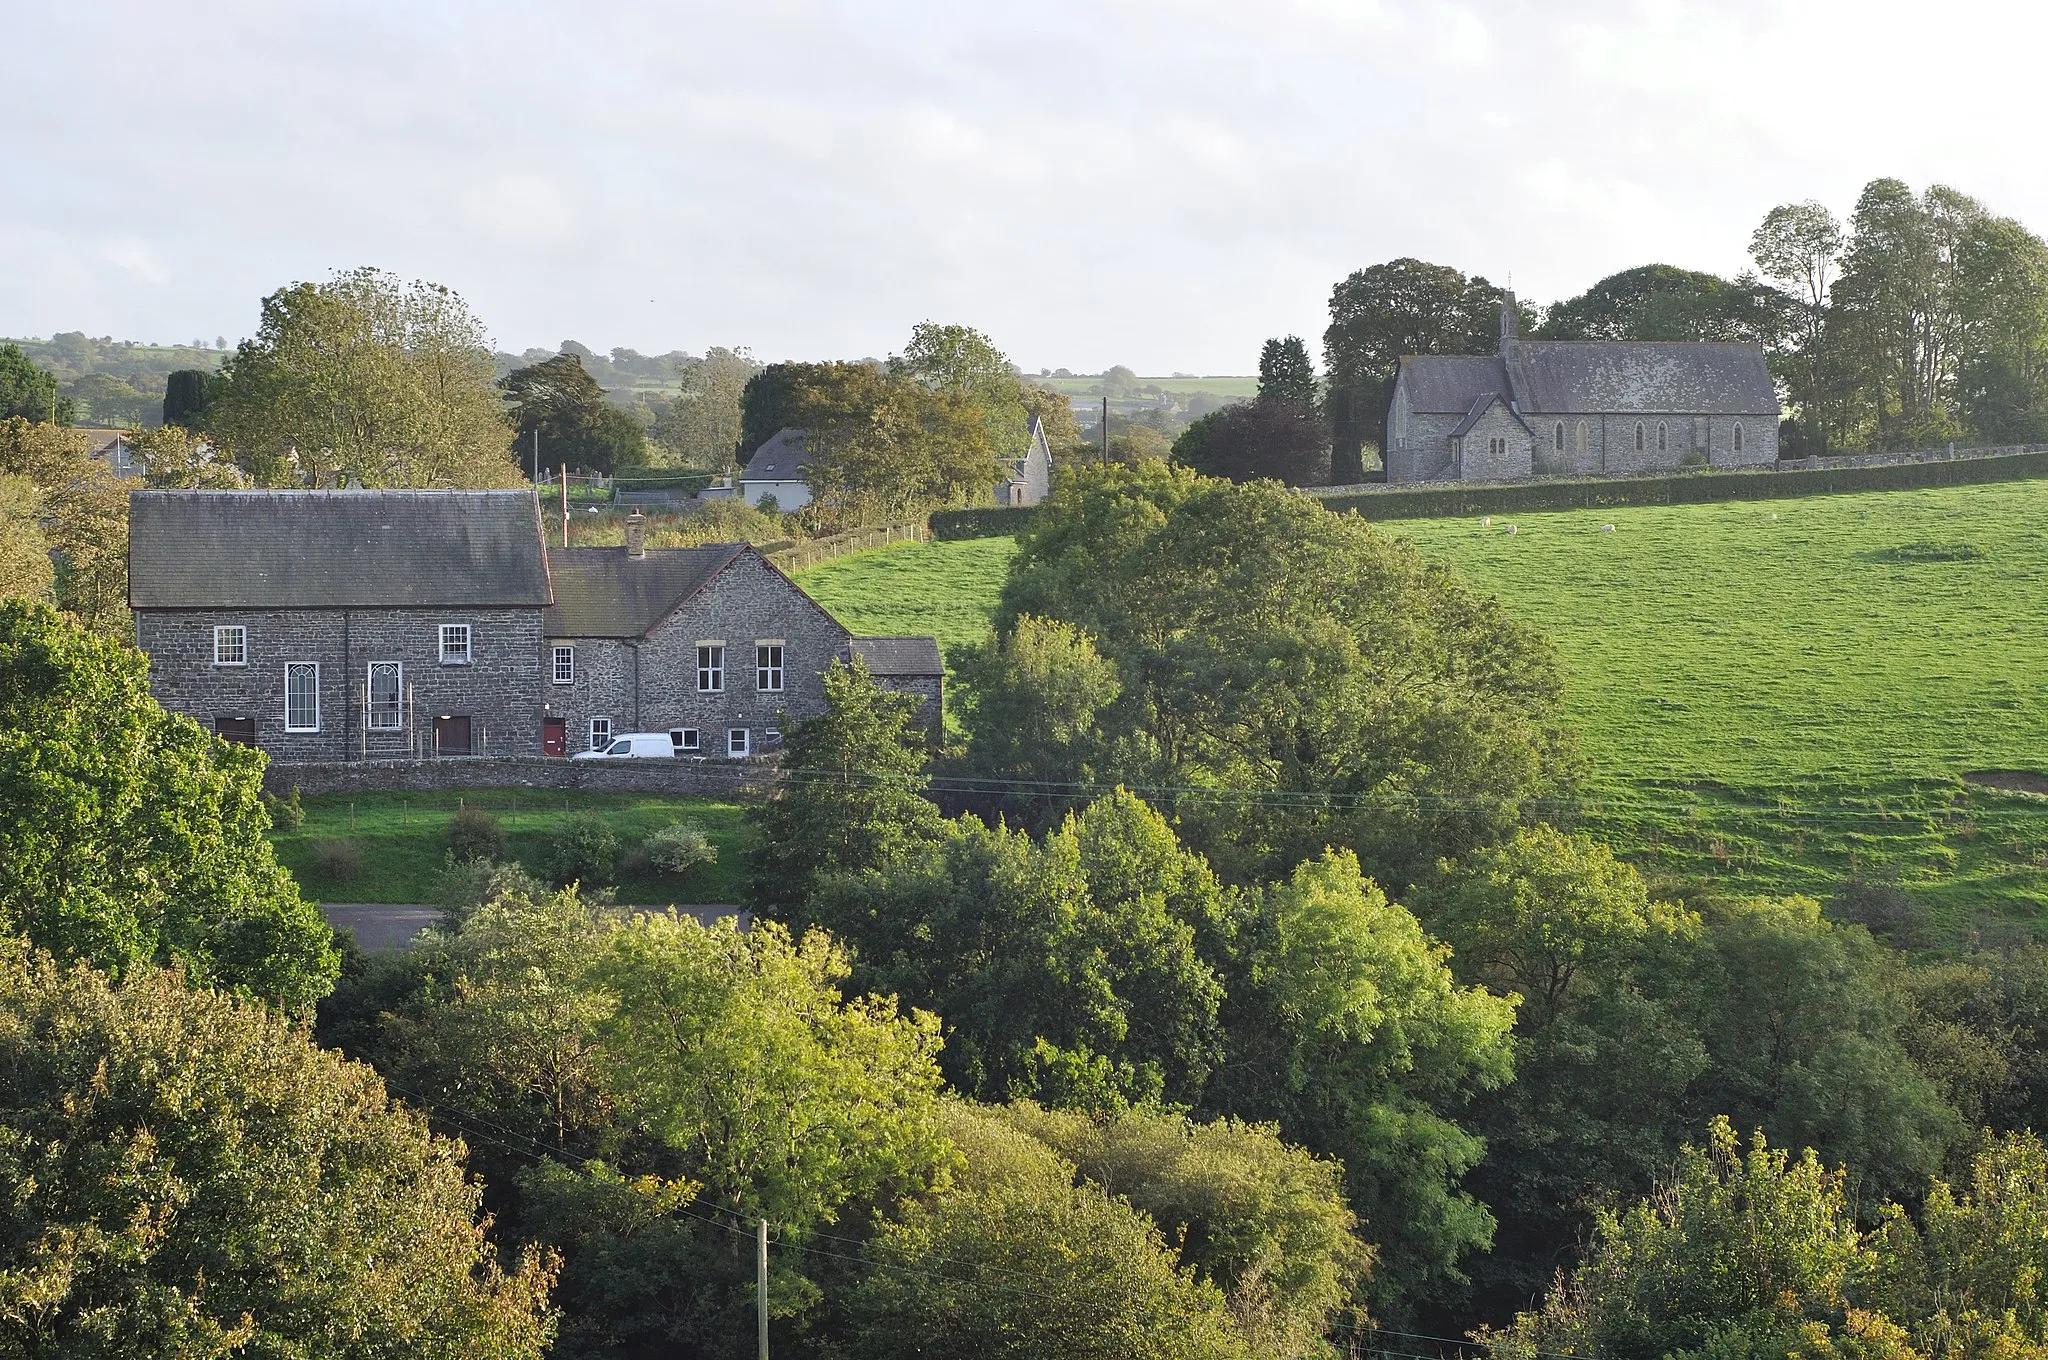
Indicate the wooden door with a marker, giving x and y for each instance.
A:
(241, 731)
(451, 736)
(554, 736)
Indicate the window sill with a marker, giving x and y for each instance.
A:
(230, 665)
(458, 663)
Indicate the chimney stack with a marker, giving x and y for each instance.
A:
(636, 535)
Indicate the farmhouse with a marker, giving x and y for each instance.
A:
(780, 469)
(382, 625)
(1550, 407)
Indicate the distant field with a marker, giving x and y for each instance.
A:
(1775, 694)
(401, 840)
(1230, 388)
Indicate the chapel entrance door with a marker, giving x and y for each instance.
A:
(451, 735)
(554, 736)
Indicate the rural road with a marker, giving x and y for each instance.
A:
(392, 925)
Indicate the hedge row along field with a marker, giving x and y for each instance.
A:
(1774, 693)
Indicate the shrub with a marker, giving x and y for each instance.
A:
(680, 848)
(1000, 522)
(475, 834)
(585, 850)
(340, 860)
(463, 885)
(286, 813)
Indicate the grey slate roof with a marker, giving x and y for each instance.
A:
(781, 459)
(1564, 377)
(899, 655)
(601, 592)
(308, 549)
(1480, 404)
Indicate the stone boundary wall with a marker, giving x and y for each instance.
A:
(703, 778)
(1820, 462)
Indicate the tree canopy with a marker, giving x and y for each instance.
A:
(577, 426)
(28, 392)
(128, 836)
(1279, 439)
(366, 379)
(186, 1175)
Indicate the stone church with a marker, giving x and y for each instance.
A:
(1542, 408)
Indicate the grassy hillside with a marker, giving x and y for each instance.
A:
(1773, 694)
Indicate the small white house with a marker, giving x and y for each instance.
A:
(780, 468)
(777, 470)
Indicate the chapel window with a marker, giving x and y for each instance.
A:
(1738, 436)
(1557, 437)
(1663, 436)
(1639, 436)
(1582, 436)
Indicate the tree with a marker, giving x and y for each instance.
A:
(1331, 687)
(365, 379)
(28, 392)
(1287, 376)
(1741, 1253)
(128, 836)
(1659, 302)
(1263, 1221)
(2002, 295)
(768, 404)
(1346, 1028)
(1252, 439)
(1033, 698)
(1797, 246)
(849, 796)
(1606, 1040)
(702, 426)
(84, 520)
(25, 572)
(1404, 306)
(1016, 1262)
(1066, 971)
(175, 457)
(186, 1175)
(188, 394)
(882, 444)
(576, 424)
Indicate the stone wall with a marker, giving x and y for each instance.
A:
(495, 690)
(650, 685)
(701, 778)
(1476, 460)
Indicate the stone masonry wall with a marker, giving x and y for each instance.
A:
(1477, 464)
(704, 778)
(651, 685)
(498, 690)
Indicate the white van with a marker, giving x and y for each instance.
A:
(632, 746)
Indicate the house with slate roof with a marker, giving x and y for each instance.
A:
(383, 625)
(780, 468)
(1579, 408)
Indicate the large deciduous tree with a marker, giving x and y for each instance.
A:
(1289, 678)
(561, 401)
(1276, 439)
(129, 837)
(84, 520)
(1661, 302)
(28, 392)
(363, 378)
(702, 426)
(1404, 306)
(186, 1175)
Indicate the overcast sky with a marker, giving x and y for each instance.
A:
(1156, 184)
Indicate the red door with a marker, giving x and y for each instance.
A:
(554, 736)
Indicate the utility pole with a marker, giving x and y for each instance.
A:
(536, 453)
(761, 1284)
(565, 505)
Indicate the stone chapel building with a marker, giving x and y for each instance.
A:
(394, 625)
(1580, 408)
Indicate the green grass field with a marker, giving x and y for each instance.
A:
(1773, 694)
(945, 589)
(402, 838)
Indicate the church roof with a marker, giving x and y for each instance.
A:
(1545, 377)
(1480, 405)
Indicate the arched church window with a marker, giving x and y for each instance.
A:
(1639, 436)
(1582, 436)
(1738, 436)
(1663, 436)
(1557, 437)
